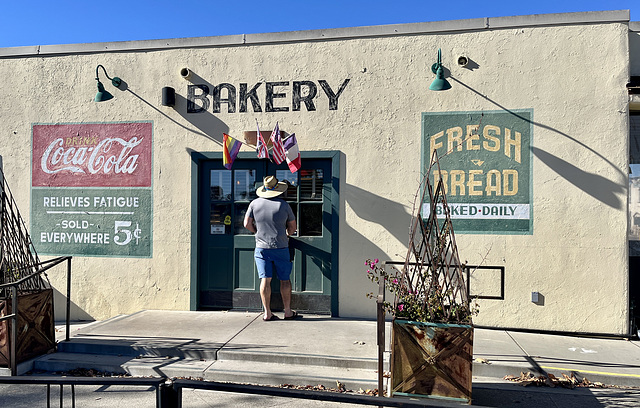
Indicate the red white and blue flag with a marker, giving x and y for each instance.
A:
(292, 153)
(261, 146)
(279, 155)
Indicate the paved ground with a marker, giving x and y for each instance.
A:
(486, 393)
(240, 347)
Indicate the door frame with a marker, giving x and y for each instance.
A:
(336, 164)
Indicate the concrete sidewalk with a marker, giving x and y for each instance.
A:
(312, 350)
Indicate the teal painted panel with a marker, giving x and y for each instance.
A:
(486, 166)
(92, 221)
(246, 272)
(218, 262)
(313, 271)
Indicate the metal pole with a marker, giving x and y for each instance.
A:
(68, 296)
(381, 342)
(14, 330)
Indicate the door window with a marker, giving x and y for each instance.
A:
(220, 185)
(245, 181)
(220, 210)
(634, 183)
(311, 184)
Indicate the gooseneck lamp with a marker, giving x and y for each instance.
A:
(102, 94)
(439, 84)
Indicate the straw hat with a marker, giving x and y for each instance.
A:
(271, 187)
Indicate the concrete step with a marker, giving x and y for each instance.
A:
(255, 356)
(301, 375)
(206, 351)
(141, 347)
(253, 372)
(140, 366)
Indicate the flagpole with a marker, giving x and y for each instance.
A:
(254, 146)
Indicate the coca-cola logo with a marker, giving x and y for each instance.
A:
(108, 156)
(97, 155)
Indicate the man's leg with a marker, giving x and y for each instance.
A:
(285, 292)
(265, 295)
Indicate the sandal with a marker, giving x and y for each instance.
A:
(295, 315)
(273, 317)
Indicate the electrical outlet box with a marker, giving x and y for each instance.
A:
(535, 297)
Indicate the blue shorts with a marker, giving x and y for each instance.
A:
(269, 259)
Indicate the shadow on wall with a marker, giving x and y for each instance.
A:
(598, 187)
(60, 309)
(206, 124)
(391, 215)
(203, 118)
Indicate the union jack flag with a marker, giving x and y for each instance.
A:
(261, 146)
(279, 154)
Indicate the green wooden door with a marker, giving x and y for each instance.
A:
(227, 278)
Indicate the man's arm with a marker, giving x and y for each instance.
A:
(249, 223)
(292, 226)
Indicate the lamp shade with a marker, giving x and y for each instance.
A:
(102, 94)
(440, 84)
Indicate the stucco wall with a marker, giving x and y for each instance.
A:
(576, 256)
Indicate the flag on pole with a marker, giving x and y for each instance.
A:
(292, 153)
(278, 152)
(261, 146)
(231, 147)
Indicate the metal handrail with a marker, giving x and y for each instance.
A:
(359, 399)
(169, 391)
(158, 383)
(14, 303)
(34, 274)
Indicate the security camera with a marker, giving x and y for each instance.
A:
(463, 61)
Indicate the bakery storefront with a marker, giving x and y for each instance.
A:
(532, 135)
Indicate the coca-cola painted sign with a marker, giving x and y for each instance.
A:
(91, 192)
(92, 155)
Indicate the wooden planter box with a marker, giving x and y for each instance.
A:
(36, 327)
(431, 360)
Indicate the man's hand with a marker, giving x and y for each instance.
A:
(292, 226)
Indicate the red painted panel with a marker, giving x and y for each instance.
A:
(92, 155)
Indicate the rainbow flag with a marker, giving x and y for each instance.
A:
(231, 148)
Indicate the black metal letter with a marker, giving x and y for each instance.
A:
(333, 97)
(268, 103)
(230, 101)
(252, 95)
(308, 99)
(192, 107)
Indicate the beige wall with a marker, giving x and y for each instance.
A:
(577, 254)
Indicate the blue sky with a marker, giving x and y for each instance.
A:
(45, 22)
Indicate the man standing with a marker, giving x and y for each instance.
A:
(271, 219)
